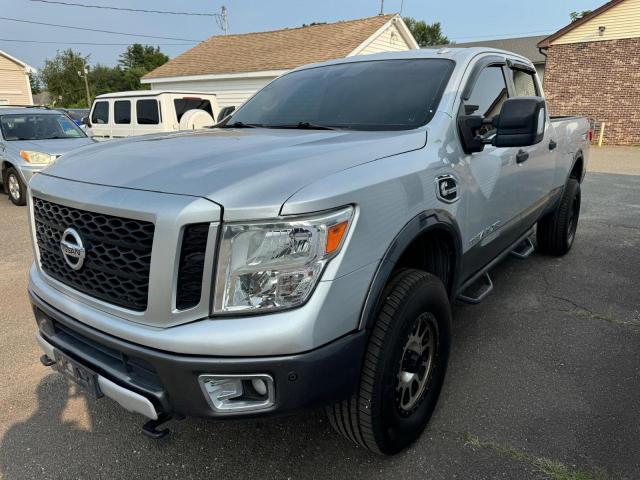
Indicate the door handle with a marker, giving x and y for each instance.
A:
(552, 145)
(522, 156)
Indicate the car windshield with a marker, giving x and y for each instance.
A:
(369, 95)
(38, 126)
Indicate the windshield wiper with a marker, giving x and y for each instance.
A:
(241, 125)
(305, 126)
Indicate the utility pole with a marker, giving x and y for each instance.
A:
(381, 7)
(85, 73)
(225, 20)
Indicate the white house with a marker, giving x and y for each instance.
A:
(15, 88)
(236, 66)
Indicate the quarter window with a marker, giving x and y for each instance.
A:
(147, 112)
(122, 111)
(524, 83)
(100, 115)
(192, 103)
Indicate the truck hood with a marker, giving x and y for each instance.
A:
(250, 172)
(53, 146)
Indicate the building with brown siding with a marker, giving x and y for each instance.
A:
(15, 88)
(593, 69)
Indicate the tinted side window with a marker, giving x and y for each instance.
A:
(122, 111)
(488, 95)
(524, 83)
(100, 115)
(147, 112)
(192, 103)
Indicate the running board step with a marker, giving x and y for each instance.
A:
(524, 249)
(477, 291)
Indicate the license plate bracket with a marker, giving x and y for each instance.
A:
(82, 376)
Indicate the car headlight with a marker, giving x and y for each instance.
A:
(276, 265)
(37, 157)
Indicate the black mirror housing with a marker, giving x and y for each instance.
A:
(521, 122)
(225, 112)
(85, 121)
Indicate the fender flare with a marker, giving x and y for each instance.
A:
(433, 219)
(579, 155)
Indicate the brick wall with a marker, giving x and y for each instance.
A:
(600, 80)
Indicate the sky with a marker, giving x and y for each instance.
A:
(462, 20)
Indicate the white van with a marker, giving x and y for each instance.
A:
(125, 114)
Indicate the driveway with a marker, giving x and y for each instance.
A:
(543, 379)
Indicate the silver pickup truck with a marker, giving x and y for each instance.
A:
(308, 250)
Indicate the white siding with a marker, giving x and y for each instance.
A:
(14, 83)
(389, 40)
(228, 91)
(621, 21)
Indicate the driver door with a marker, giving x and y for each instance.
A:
(493, 204)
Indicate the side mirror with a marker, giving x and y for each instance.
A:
(225, 112)
(85, 121)
(521, 122)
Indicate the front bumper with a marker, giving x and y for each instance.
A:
(170, 381)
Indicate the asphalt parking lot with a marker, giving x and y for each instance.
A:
(544, 379)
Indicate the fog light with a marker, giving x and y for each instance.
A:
(259, 386)
(231, 393)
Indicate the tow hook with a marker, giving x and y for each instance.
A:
(46, 361)
(150, 429)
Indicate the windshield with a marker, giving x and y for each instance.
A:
(372, 95)
(34, 126)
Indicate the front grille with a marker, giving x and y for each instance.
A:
(194, 244)
(117, 258)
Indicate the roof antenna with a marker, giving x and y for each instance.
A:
(381, 7)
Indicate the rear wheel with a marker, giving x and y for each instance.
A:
(404, 366)
(557, 230)
(15, 188)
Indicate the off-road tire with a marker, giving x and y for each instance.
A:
(556, 231)
(21, 198)
(372, 417)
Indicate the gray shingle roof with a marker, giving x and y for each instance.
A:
(525, 46)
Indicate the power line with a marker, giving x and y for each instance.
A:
(99, 31)
(89, 43)
(124, 9)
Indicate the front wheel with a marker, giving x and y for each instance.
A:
(404, 366)
(15, 187)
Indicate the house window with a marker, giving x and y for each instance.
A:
(122, 111)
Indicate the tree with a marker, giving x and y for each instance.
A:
(425, 34)
(60, 75)
(146, 57)
(34, 81)
(578, 15)
(138, 60)
(60, 78)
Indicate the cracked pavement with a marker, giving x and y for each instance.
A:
(543, 380)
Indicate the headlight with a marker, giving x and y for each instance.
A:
(274, 266)
(37, 157)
